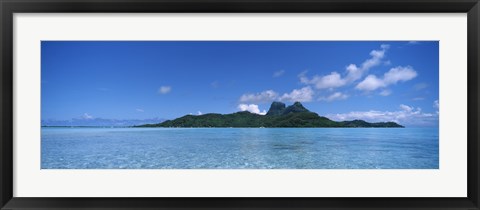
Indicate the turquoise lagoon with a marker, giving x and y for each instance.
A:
(239, 148)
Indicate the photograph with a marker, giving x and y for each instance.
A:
(239, 104)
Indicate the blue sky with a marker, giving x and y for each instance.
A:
(343, 80)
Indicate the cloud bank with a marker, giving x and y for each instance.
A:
(86, 116)
(263, 97)
(335, 96)
(395, 75)
(253, 108)
(406, 115)
(353, 72)
(301, 95)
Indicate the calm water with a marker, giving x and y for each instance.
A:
(235, 148)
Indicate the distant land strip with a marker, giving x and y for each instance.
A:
(278, 116)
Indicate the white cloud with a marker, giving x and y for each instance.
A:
(304, 94)
(333, 80)
(399, 73)
(164, 89)
(86, 116)
(385, 92)
(436, 104)
(406, 108)
(278, 73)
(371, 82)
(263, 97)
(199, 113)
(353, 72)
(334, 96)
(377, 56)
(253, 108)
(301, 95)
(407, 115)
(393, 76)
(139, 110)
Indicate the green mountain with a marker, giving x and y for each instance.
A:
(278, 115)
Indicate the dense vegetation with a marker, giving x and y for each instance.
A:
(277, 116)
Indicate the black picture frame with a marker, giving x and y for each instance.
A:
(9, 7)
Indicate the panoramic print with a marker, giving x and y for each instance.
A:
(239, 105)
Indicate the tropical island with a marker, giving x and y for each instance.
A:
(278, 116)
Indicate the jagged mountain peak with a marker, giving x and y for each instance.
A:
(279, 108)
(276, 108)
(296, 107)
